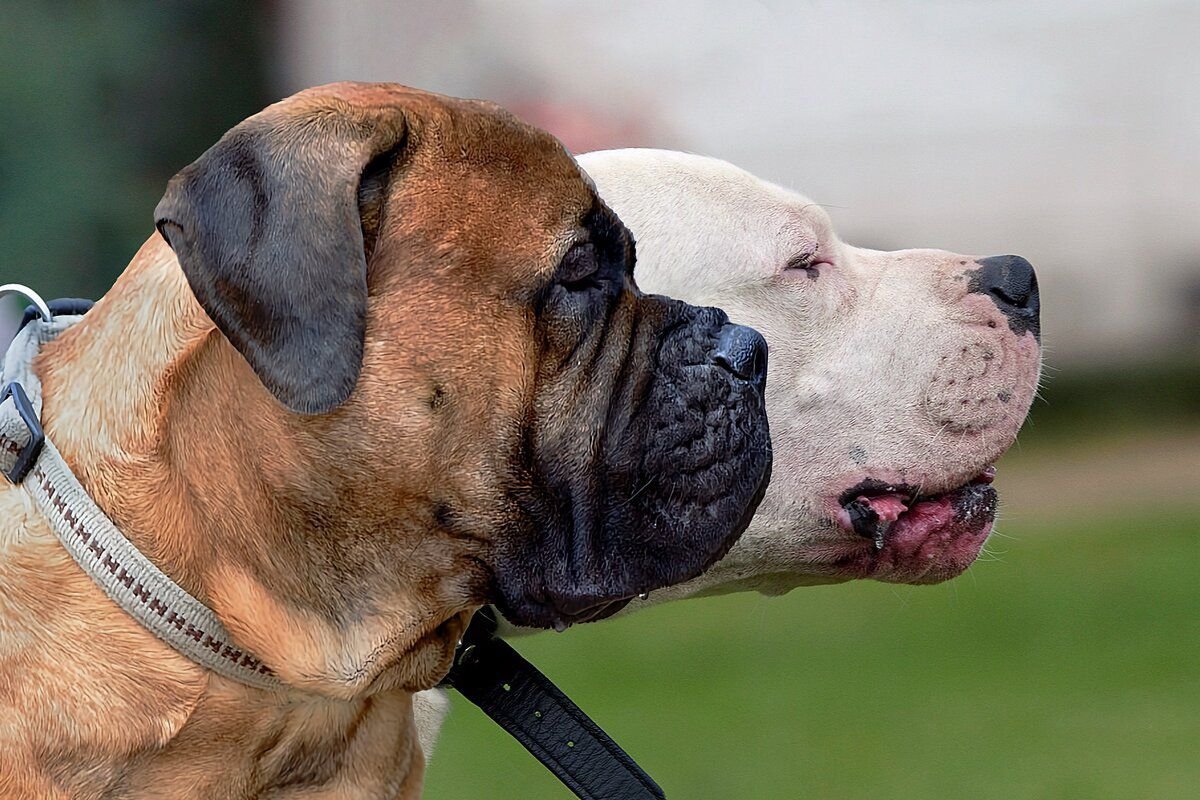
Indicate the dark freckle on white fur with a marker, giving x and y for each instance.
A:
(991, 323)
(962, 263)
(1004, 396)
(858, 454)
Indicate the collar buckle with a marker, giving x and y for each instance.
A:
(37, 437)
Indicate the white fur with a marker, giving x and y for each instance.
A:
(429, 712)
(881, 366)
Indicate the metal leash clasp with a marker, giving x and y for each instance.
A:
(38, 302)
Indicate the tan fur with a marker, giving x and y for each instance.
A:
(171, 433)
(96, 706)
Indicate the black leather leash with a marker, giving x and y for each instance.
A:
(523, 701)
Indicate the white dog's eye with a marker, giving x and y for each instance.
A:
(806, 263)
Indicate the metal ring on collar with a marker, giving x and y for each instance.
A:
(16, 288)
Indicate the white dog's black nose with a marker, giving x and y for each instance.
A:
(1012, 284)
(742, 351)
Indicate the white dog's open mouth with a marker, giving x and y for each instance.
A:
(915, 538)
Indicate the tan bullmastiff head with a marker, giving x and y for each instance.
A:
(385, 363)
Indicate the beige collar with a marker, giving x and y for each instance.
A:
(147, 594)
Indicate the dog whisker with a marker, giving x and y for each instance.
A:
(641, 489)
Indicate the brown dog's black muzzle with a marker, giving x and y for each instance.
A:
(680, 461)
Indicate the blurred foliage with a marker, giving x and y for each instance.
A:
(1062, 665)
(100, 103)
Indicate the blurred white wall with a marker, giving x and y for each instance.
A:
(1068, 132)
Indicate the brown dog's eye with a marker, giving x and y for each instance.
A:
(580, 268)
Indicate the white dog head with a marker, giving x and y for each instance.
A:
(896, 378)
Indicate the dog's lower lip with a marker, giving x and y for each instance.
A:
(561, 620)
(872, 508)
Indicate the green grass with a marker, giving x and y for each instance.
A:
(1066, 668)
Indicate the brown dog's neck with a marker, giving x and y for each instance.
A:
(241, 502)
(127, 401)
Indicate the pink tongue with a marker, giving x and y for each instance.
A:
(887, 506)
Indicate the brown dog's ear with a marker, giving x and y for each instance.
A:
(269, 225)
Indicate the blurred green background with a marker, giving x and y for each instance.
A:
(100, 103)
(1065, 663)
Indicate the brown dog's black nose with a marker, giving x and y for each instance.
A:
(742, 351)
(1012, 284)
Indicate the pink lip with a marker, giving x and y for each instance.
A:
(918, 539)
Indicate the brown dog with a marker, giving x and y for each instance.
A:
(419, 378)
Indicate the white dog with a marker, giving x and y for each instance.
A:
(896, 378)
